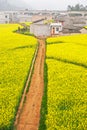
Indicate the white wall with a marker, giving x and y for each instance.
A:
(24, 18)
(60, 29)
(4, 18)
(14, 17)
(40, 30)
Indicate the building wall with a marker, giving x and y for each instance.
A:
(40, 30)
(77, 13)
(83, 31)
(14, 17)
(4, 18)
(24, 19)
(74, 18)
(56, 30)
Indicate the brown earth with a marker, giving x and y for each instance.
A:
(30, 114)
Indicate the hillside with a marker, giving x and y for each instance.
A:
(6, 5)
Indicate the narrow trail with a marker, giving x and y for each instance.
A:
(30, 115)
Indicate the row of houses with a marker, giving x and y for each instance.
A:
(64, 22)
(41, 29)
(21, 16)
(32, 15)
(14, 17)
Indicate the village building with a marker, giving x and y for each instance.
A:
(24, 18)
(40, 28)
(56, 28)
(83, 30)
(15, 16)
(73, 21)
(71, 29)
(41, 16)
(4, 18)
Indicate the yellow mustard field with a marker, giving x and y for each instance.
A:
(67, 83)
(16, 54)
(72, 48)
(65, 93)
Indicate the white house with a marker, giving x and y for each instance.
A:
(56, 28)
(40, 28)
(24, 18)
(14, 17)
(4, 17)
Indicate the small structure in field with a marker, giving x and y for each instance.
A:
(83, 30)
(42, 28)
(56, 28)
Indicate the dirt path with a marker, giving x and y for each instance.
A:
(30, 115)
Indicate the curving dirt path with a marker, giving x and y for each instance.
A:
(30, 115)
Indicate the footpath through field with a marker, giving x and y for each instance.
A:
(30, 115)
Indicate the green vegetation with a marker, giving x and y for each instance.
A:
(66, 99)
(24, 29)
(25, 32)
(77, 7)
(85, 27)
(44, 100)
(16, 53)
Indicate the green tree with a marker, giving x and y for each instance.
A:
(77, 7)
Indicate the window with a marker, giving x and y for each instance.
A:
(6, 16)
(85, 14)
(6, 21)
(57, 29)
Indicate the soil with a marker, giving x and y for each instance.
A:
(30, 114)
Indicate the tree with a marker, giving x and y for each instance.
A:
(77, 7)
(69, 8)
